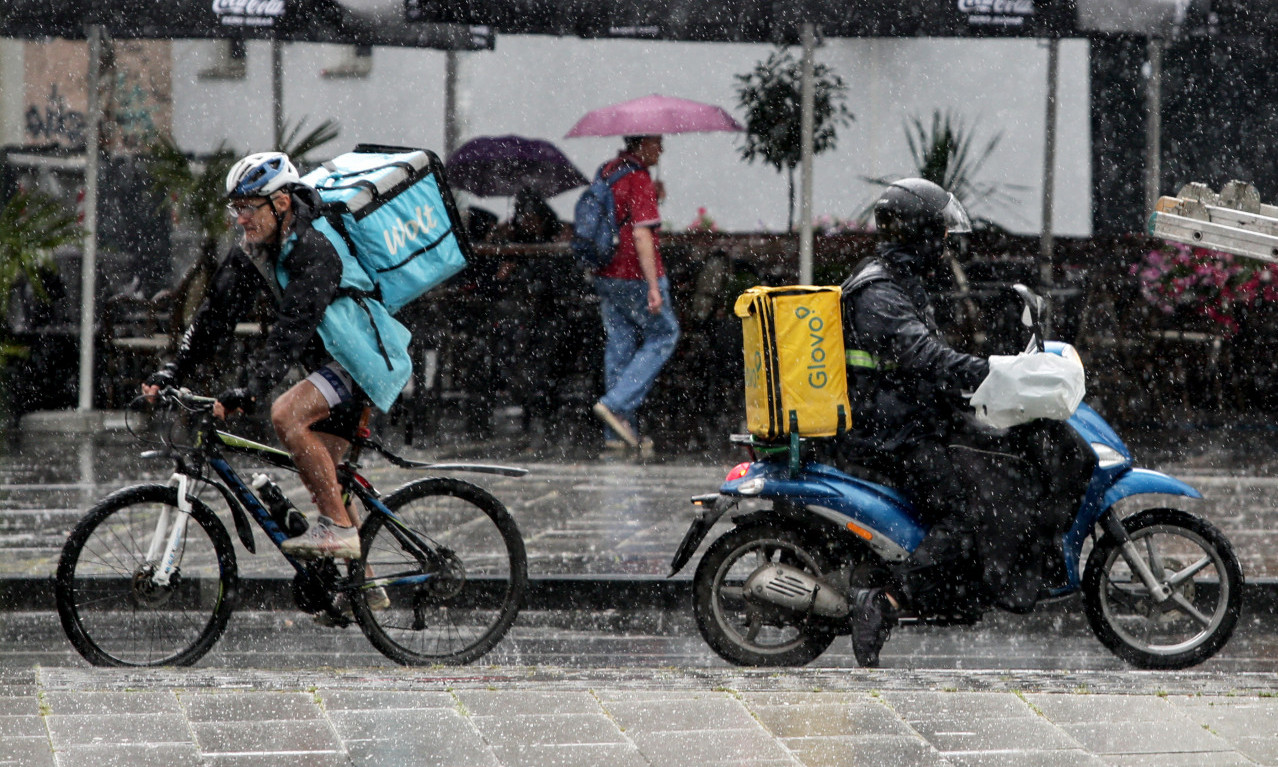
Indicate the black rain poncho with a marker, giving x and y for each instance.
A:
(996, 501)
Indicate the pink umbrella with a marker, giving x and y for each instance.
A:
(653, 115)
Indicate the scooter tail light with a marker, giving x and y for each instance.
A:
(738, 471)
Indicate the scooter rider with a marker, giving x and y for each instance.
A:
(905, 386)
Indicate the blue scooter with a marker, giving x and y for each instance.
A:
(1162, 588)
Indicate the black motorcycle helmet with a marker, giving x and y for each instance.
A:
(917, 215)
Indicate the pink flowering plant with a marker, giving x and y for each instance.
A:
(830, 225)
(1209, 283)
(703, 222)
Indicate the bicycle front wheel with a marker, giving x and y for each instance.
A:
(114, 608)
(451, 605)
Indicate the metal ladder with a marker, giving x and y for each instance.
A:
(1233, 221)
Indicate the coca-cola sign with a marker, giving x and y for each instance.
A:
(248, 13)
(1000, 13)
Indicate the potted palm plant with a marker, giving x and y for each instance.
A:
(32, 226)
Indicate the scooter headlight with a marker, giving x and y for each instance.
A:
(1106, 456)
(751, 486)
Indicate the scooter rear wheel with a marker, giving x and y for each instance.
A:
(1185, 553)
(745, 632)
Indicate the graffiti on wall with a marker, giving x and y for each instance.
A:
(136, 94)
(54, 121)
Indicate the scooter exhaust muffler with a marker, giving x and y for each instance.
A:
(794, 589)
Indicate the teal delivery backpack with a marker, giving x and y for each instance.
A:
(397, 216)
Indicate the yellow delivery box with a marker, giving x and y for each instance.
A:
(795, 380)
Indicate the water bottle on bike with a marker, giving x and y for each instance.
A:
(285, 514)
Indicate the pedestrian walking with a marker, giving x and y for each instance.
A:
(640, 327)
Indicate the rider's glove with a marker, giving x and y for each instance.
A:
(165, 377)
(238, 398)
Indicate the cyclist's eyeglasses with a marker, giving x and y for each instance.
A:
(237, 209)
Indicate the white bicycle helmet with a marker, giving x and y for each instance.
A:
(261, 174)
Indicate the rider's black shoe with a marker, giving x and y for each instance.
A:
(872, 620)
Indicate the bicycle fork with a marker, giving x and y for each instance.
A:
(170, 533)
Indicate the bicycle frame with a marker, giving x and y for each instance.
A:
(168, 541)
(208, 450)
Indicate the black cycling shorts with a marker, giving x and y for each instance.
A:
(346, 401)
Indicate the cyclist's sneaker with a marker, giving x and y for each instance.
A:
(324, 539)
(376, 597)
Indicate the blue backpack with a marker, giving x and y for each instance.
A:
(594, 227)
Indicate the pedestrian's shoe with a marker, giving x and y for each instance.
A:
(324, 539)
(376, 597)
(618, 425)
(872, 620)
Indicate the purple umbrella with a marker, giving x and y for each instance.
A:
(499, 166)
(652, 115)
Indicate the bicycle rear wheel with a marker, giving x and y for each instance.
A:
(452, 611)
(111, 607)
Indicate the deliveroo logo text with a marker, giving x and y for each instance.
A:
(402, 232)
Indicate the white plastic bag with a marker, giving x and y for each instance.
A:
(1028, 386)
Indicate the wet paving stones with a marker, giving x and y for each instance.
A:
(542, 716)
(629, 683)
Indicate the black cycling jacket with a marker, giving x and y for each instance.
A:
(315, 272)
(904, 380)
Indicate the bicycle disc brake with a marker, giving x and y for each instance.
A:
(445, 585)
(148, 593)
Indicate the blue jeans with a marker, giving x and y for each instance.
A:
(637, 342)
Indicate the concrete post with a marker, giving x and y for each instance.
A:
(88, 263)
(807, 127)
(1153, 123)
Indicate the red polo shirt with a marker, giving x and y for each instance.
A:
(636, 200)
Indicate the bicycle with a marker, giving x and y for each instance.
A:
(149, 578)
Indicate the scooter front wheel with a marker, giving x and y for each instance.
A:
(746, 632)
(1189, 558)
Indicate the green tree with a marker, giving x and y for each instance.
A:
(771, 95)
(297, 145)
(197, 189)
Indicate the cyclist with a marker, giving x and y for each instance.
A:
(282, 255)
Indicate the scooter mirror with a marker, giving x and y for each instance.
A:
(1030, 315)
(1033, 305)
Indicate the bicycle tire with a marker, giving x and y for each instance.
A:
(113, 614)
(450, 616)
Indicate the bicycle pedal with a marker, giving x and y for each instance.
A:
(325, 619)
